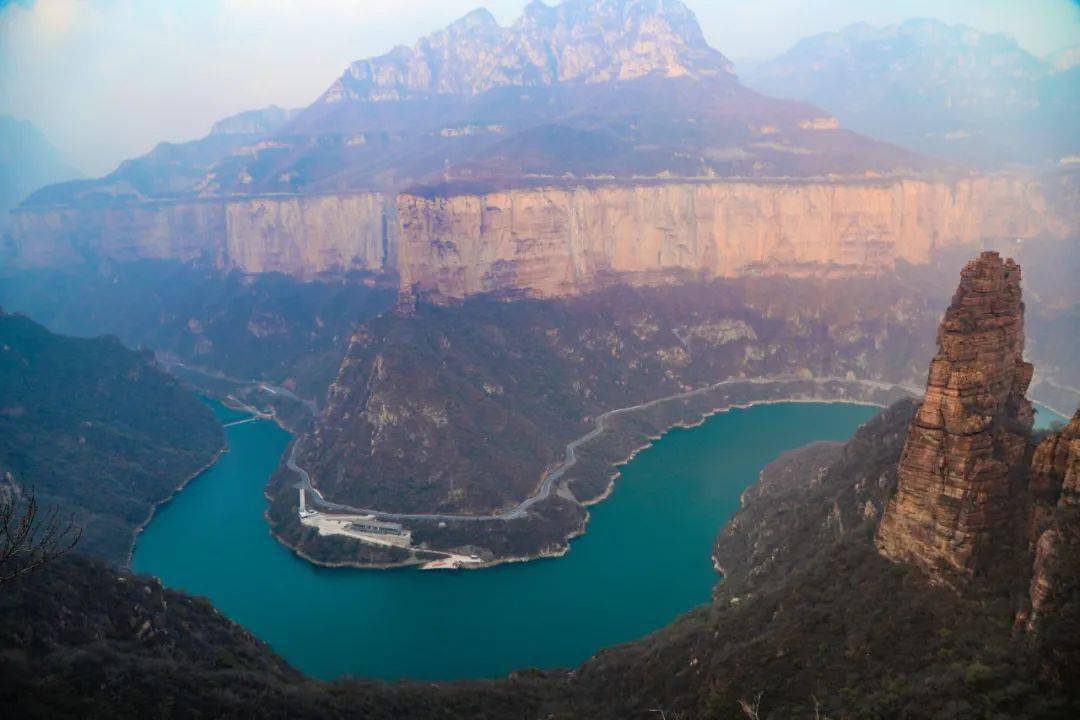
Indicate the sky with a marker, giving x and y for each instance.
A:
(109, 79)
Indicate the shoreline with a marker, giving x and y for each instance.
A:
(176, 491)
(169, 362)
(550, 476)
(1063, 415)
(564, 545)
(687, 426)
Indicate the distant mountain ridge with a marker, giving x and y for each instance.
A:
(254, 122)
(1064, 59)
(589, 41)
(412, 161)
(935, 88)
(27, 162)
(614, 89)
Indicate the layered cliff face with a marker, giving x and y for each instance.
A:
(590, 139)
(596, 137)
(299, 236)
(1054, 523)
(303, 236)
(1055, 476)
(554, 241)
(958, 488)
(558, 241)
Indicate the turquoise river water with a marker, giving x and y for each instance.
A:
(644, 560)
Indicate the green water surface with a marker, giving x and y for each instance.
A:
(644, 560)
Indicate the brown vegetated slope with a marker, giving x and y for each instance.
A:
(98, 433)
(809, 616)
(460, 408)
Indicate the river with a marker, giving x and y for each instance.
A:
(644, 560)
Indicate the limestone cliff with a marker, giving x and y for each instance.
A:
(957, 482)
(557, 241)
(588, 139)
(300, 236)
(303, 236)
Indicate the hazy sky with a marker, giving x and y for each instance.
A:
(108, 79)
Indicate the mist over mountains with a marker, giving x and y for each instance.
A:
(599, 88)
(474, 279)
(935, 88)
(27, 162)
(587, 89)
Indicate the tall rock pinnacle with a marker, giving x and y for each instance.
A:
(957, 484)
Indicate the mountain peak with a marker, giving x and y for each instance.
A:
(27, 161)
(586, 41)
(981, 96)
(481, 17)
(538, 11)
(1065, 59)
(253, 122)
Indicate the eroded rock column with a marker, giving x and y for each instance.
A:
(958, 484)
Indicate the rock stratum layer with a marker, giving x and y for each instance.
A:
(957, 486)
(556, 240)
(1054, 524)
(299, 236)
(561, 240)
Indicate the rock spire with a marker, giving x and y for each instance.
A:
(960, 476)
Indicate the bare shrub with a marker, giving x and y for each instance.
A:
(29, 536)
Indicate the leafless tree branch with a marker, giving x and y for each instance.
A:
(817, 709)
(30, 536)
(752, 710)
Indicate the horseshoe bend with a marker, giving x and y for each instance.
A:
(554, 366)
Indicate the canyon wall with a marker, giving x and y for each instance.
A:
(557, 240)
(300, 236)
(303, 236)
(554, 241)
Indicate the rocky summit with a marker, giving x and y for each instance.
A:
(969, 437)
(586, 41)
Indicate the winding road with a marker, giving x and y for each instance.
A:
(551, 477)
(170, 362)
